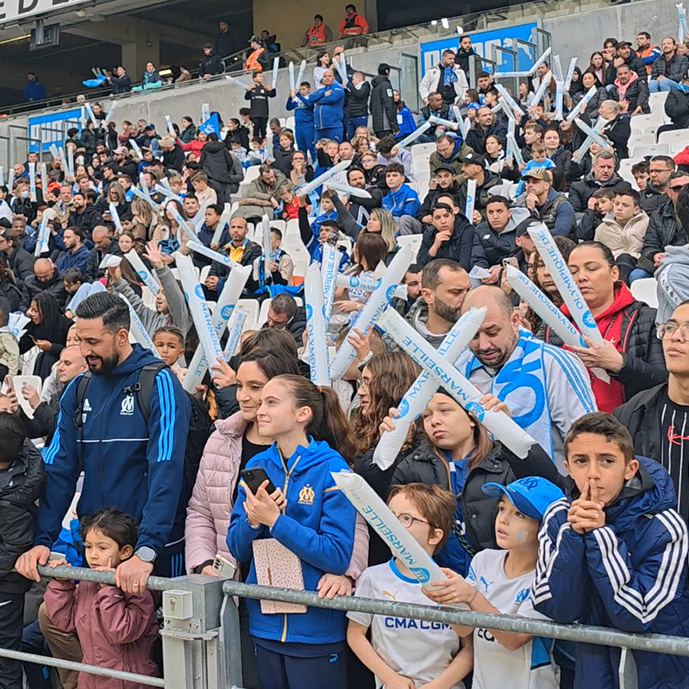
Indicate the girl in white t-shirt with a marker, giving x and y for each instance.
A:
(404, 653)
(499, 581)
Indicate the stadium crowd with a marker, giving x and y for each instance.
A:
(97, 340)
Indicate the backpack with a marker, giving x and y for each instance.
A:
(200, 424)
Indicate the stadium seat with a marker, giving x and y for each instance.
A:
(289, 122)
(422, 150)
(656, 101)
(251, 306)
(646, 290)
(677, 139)
(301, 264)
(640, 140)
(263, 314)
(204, 274)
(625, 170)
(650, 150)
(250, 174)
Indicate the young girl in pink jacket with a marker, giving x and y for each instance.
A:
(115, 629)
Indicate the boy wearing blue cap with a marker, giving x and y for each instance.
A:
(499, 581)
(614, 554)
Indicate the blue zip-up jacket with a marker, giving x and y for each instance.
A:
(126, 464)
(404, 201)
(328, 110)
(630, 576)
(405, 121)
(73, 259)
(317, 525)
(303, 112)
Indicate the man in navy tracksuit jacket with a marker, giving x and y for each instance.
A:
(127, 463)
(629, 574)
(329, 108)
(303, 119)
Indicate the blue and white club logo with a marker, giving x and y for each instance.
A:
(309, 311)
(589, 322)
(476, 409)
(403, 407)
(421, 574)
(199, 291)
(226, 311)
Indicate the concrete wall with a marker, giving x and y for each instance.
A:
(290, 20)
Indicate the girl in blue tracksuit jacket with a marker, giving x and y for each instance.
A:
(310, 516)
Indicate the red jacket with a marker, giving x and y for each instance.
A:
(115, 629)
(194, 146)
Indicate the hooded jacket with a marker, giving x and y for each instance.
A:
(580, 192)
(33, 286)
(87, 220)
(476, 511)
(477, 135)
(404, 201)
(128, 464)
(457, 248)
(677, 107)
(433, 194)
(417, 317)
(20, 486)
(642, 351)
(630, 576)
(317, 524)
(433, 80)
(20, 262)
(357, 99)
(220, 165)
(73, 259)
(634, 93)
(623, 240)
(174, 159)
(481, 198)
(640, 416)
(663, 230)
(454, 161)
(490, 247)
(116, 630)
(383, 112)
(211, 64)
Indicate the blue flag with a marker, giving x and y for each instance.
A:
(211, 125)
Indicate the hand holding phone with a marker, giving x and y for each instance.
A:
(253, 478)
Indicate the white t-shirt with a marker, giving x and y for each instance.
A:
(529, 667)
(419, 650)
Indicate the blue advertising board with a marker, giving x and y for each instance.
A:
(51, 129)
(483, 42)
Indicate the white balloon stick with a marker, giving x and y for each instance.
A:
(582, 104)
(300, 75)
(497, 422)
(347, 189)
(570, 72)
(510, 100)
(449, 124)
(290, 71)
(199, 248)
(470, 200)
(167, 192)
(44, 180)
(137, 192)
(142, 336)
(112, 207)
(464, 130)
(136, 148)
(181, 222)
(329, 275)
(559, 99)
(394, 275)
(315, 326)
(43, 236)
(330, 172)
(415, 135)
(235, 328)
(223, 312)
(559, 75)
(32, 182)
(276, 67)
(170, 128)
(538, 62)
(418, 396)
(541, 88)
(92, 117)
(147, 277)
(357, 282)
(239, 82)
(594, 135)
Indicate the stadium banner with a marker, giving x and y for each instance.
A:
(18, 10)
(52, 128)
(482, 43)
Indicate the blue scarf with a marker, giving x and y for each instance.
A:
(684, 88)
(449, 76)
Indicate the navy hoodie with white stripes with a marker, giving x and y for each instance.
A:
(629, 575)
(127, 464)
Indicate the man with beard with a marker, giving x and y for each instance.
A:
(104, 429)
(444, 284)
(546, 388)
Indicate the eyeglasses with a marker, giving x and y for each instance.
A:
(667, 330)
(658, 171)
(677, 188)
(406, 520)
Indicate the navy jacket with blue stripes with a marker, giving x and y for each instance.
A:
(128, 464)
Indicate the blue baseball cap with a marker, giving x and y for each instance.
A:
(531, 495)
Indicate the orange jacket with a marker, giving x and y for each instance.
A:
(355, 26)
(315, 35)
(252, 62)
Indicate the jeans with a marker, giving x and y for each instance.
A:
(353, 123)
(662, 84)
(638, 274)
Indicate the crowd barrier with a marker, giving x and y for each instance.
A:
(201, 644)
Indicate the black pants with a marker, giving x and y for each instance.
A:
(260, 124)
(626, 263)
(668, 128)
(12, 616)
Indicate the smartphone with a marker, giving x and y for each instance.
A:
(224, 567)
(511, 261)
(255, 477)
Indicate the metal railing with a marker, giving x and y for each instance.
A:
(201, 646)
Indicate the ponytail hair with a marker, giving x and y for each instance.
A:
(328, 422)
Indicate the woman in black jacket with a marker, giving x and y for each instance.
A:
(631, 355)
(221, 166)
(457, 453)
(47, 331)
(8, 288)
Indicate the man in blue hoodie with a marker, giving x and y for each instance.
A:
(329, 108)
(129, 462)
(33, 89)
(401, 200)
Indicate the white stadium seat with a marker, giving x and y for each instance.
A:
(640, 140)
(422, 149)
(656, 101)
(652, 150)
(250, 305)
(677, 140)
(646, 290)
(413, 239)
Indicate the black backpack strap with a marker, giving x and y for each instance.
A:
(80, 398)
(144, 386)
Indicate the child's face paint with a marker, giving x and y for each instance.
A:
(513, 529)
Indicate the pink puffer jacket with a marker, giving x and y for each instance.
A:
(210, 506)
